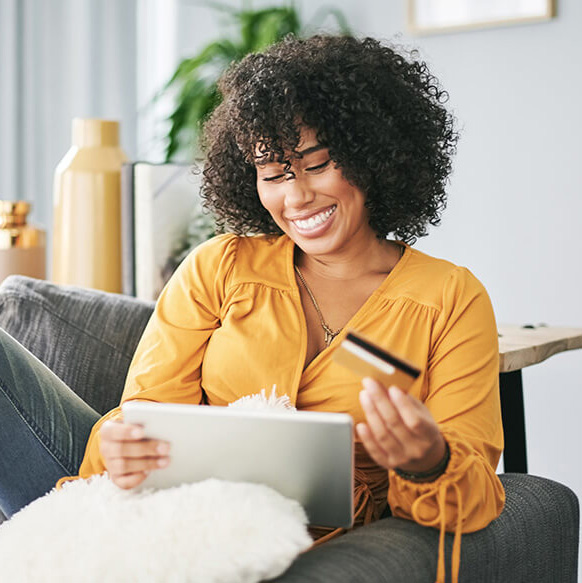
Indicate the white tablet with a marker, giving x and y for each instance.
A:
(307, 456)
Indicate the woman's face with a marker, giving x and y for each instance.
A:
(311, 201)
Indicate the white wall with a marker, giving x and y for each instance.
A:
(515, 211)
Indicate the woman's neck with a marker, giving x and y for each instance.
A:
(376, 257)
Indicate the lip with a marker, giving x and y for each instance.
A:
(310, 214)
(319, 229)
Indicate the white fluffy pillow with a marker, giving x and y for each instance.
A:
(211, 532)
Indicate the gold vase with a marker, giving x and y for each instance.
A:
(22, 246)
(86, 248)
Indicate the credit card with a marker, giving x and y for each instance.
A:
(368, 359)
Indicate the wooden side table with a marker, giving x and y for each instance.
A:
(521, 346)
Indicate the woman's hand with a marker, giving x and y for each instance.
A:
(128, 455)
(399, 431)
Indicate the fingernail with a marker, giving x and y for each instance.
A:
(368, 383)
(137, 433)
(163, 448)
(364, 397)
(394, 392)
(162, 463)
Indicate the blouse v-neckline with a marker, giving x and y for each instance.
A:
(351, 323)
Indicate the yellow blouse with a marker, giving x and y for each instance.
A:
(230, 323)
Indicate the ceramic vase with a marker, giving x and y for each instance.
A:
(86, 241)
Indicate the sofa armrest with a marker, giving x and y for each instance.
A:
(86, 337)
(534, 539)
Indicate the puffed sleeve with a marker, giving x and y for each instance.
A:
(167, 363)
(463, 397)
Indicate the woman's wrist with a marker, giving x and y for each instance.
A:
(431, 474)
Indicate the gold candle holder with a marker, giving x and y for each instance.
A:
(22, 246)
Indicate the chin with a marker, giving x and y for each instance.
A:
(318, 246)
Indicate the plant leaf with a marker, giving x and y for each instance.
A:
(259, 28)
(273, 27)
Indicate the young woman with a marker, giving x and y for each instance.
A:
(327, 158)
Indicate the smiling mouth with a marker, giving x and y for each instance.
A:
(314, 221)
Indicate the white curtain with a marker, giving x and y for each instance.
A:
(157, 50)
(61, 59)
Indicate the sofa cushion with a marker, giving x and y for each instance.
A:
(534, 539)
(86, 337)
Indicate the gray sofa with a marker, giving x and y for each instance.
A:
(88, 338)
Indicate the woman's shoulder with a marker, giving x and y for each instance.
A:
(215, 250)
(265, 259)
(260, 258)
(434, 281)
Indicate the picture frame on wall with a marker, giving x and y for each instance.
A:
(439, 16)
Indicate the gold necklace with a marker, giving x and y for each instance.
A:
(329, 333)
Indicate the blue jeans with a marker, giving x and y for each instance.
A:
(44, 427)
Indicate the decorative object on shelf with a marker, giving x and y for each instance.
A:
(436, 16)
(87, 208)
(160, 204)
(193, 84)
(22, 246)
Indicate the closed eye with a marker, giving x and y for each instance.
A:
(280, 177)
(273, 178)
(318, 167)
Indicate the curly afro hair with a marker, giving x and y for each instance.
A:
(380, 114)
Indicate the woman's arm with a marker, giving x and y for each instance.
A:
(167, 364)
(461, 408)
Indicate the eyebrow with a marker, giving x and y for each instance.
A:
(311, 149)
(265, 158)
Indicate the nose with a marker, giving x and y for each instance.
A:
(297, 192)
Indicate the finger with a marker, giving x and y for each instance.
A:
(117, 430)
(381, 416)
(378, 430)
(406, 417)
(389, 457)
(386, 409)
(374, 421)
(123, 466)
(415, 416)
(135, 449)
(377, 453)
(128, 481)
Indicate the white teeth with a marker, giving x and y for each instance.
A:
(316, 220)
